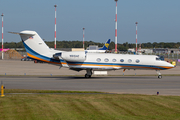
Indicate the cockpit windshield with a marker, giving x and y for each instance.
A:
(157, 58)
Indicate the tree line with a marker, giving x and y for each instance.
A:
(78, 44)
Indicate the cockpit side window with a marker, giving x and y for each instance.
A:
(158, 59)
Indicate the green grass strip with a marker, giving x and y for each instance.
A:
(89, 107)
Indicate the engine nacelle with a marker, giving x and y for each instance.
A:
(79, 56)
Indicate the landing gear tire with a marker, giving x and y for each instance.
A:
(88, 73)
(159, 76)
(87, 76)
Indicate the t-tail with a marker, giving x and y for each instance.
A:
(106, 45)
(37, 49)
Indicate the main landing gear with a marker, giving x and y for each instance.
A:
(88, 73)
(159, 74)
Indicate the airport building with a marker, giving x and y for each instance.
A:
(157, 50)
(147, 51)
(166, 50)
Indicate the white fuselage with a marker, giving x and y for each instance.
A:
(115, 61)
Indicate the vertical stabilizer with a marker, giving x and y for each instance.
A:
(106, 45)
(36, 48)
(33, 43)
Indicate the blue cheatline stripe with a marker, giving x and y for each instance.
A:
(117, 64)
(32, 52)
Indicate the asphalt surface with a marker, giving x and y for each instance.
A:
(46, 79)
(17, 67)
(168, 85)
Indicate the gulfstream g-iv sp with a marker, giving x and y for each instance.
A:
(82, 60)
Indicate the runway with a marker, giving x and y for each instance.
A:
(168, 85)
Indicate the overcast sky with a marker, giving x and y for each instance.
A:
(158, 20)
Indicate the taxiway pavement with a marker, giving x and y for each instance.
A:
(168, 85)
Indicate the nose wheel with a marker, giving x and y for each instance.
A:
(159, 74)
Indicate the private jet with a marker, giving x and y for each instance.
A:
(82, 60)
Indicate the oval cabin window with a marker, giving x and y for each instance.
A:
(122, 60)
(114, 60)
(137, 61)
(106, 60)
(129, 60)
(98, 59)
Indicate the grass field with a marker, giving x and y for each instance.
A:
(88, 107)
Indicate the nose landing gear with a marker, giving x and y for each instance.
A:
(159, 74)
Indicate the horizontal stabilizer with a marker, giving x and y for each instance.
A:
(22, 33)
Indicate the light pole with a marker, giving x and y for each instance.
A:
(136, 36)
(2, 38)
(83, 37)
(16, 46)
(116, 28)
(55, 28)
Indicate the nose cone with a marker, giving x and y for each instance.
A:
(169, 65)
